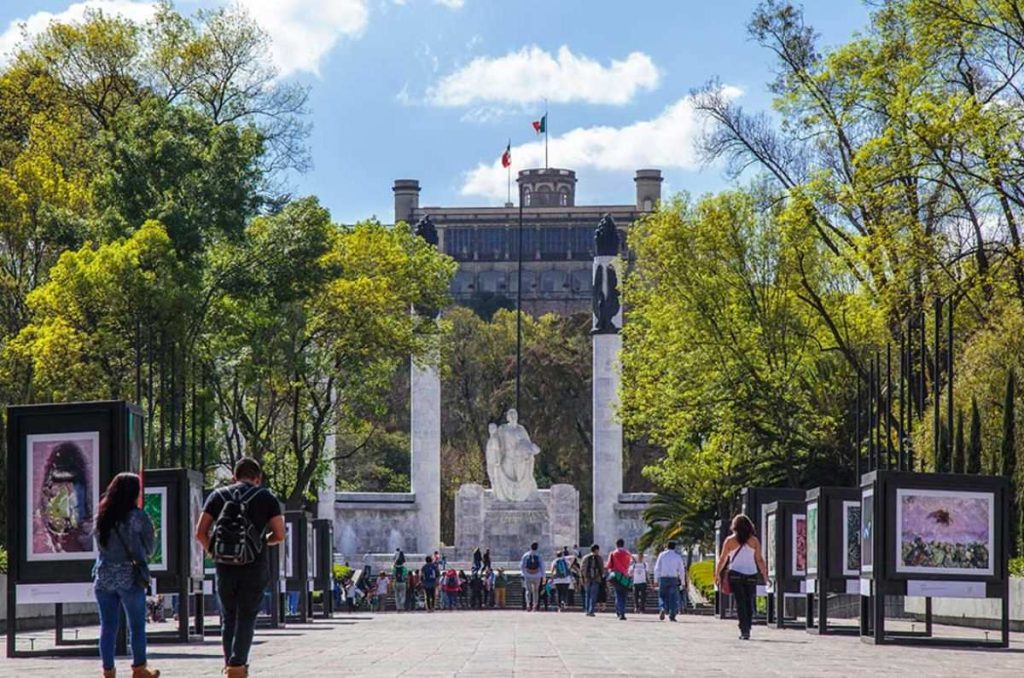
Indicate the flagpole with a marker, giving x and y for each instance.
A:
(519, 298)
(508, 199)
(546, 124)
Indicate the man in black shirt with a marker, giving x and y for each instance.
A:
(240, 587)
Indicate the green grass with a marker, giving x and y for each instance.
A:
(702, 575)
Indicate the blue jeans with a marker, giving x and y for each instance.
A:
(621, 594)
(134, 602)
(668, 595)
(590, 602)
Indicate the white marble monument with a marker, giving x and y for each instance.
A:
(510, 454)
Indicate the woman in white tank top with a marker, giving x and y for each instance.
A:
(741, 562)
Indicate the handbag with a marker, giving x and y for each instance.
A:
(725, 586)
(140, 570)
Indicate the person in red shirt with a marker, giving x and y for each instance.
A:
(451, 587)
(619, 562)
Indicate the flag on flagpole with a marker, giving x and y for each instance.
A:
(541, 126)
(506, 157)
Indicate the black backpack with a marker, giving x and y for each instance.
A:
(236, 541)
(533, 563)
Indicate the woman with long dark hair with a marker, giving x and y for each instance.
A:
(125, 536)
(740, 562)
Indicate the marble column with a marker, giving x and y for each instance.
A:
(328, 489)
(607, 375)
(425, 431)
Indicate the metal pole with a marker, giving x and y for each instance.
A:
(910, 394)
(519, 298)
(903, 399)
(856, 436)
(888, 404)
(949, 378)
(937, 424)
(872, 459)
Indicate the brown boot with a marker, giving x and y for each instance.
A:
(238, 672)
(144, 672)
(109, 673)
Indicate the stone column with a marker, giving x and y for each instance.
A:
(607, 375)
(328, 490)
(425, 433)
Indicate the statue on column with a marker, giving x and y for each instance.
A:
(607, 309)
(510, 457)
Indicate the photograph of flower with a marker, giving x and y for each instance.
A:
(812, 538)
(769, 540)
(851, 538)
(945, 532)
(63, 491)
(154, 503)
(798, 557)
(867, 529)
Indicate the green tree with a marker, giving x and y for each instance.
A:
(1008, 454)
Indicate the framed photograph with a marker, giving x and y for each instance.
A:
(769, 539)
(63, 493)
(945, 532)
(154, 503)
(851, 538)
(867, 529)
(798, 554)
(812, 538)
(195, 510)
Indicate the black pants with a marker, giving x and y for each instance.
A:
(240, 596)
(640, 597)
(429, 591)
(744, 588)
(563, 594)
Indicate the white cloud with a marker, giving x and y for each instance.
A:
(36, 23)
(531, 74)
(664, 142)
(451, 4)
(304, 31)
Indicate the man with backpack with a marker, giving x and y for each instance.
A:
(429, 576)
(619, 562)
(561, 577)
(592, 569)
(532, 568)
(238, 524)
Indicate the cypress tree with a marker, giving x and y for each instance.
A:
(942, 460)
(959, 451)
(974, 446)
(1009, 455)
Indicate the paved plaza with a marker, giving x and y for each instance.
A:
(513, 643)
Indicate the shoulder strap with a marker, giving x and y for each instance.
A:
(127, 550)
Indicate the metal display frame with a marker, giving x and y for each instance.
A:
(831, 575)
(884, 578)
(752, 503)
(180, 538)
(120, 426)
(301, 581)
(785, 581)
(323, 575)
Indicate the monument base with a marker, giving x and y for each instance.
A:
(550, 517)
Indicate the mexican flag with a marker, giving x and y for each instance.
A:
(541, 126)
(506, 157)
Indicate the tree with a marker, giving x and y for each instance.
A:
(1008, 450)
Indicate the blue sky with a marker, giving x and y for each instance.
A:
(434, 89)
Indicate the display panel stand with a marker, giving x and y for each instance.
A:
(299, 565)
(833, 553)
(174, 497)
(752, 502)
(323, 561)
(937, 535)
(56, 450)
(786, 581)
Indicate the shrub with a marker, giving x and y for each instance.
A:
(341, 572)
(702, 575)
(1017, 567)
(3, 560)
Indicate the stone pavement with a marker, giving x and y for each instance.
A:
(514, 643)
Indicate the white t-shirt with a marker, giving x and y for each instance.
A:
(638, 571)
(382, 586)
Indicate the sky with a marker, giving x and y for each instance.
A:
(435, 89)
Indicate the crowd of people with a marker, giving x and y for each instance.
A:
(547, 585)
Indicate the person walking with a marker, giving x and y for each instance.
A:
(740, 562)
(638, 572)
(488, 587)
(124, 534)
(561, 577)
(487, 559)
(476, 591)
(411, 588)
(430, 576)
(592, 571)
(451, 588)
(532, 568)
(463, 590)
(478, 560)
(618, 565)
(380, 592)
(401, 586)
(231, 516)
(670, 572)
(500, 586)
